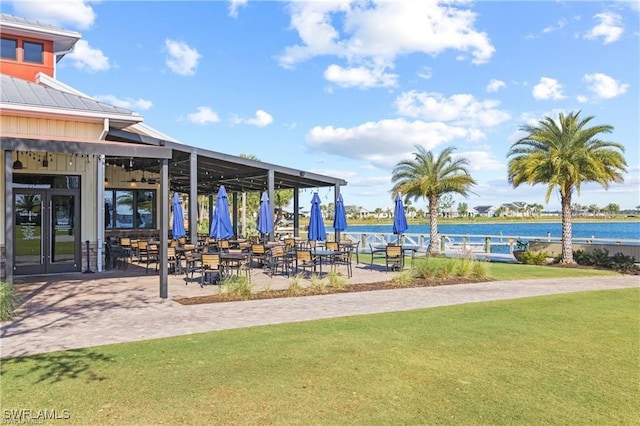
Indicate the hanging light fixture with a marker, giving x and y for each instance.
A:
(45, 162)
(144, 179)
(17, 165)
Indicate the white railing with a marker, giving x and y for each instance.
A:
(469, 243)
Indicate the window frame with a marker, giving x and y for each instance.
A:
(24, 51)
(15, 49)
(110, 195)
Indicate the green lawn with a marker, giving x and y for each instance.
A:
(565, 359)
(500, 271)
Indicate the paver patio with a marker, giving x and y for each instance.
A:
(82, 310)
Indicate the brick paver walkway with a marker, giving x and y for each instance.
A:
(80, 311)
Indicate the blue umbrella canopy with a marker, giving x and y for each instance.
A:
(265, 223)
(399, 218)
(316, 224)
(339, 215)
(221, 222)
(177, 227)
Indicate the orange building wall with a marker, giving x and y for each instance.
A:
(28, 70)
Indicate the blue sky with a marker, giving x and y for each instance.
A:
(348, 88)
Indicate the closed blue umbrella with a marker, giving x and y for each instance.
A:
(265, 224)
(339, 215)
(221, 223)
(316, 224)
(399, 218)
(177, 227)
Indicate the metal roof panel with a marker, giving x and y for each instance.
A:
(22, 92)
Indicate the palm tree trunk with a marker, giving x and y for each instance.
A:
(434, 243)
(567, 246)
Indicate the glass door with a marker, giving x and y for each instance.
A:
(29, 232)
(47, 235)
(64, 236)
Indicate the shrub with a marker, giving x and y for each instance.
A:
(600, 258)
(405, 278)
(294, 286)
(532, 258)
(317, 284)
(480, 270)
(8, 301)
(425, 269)
(623, 263)
(581, 257)
(236, 286)
(337, 280)
(464, 267)
(448, 269)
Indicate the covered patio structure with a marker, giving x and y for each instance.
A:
(197, 171)
(171, 167)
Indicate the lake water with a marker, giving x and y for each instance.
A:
(603, 230)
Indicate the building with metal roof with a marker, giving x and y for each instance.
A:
(65, 156)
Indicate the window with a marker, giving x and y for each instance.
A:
(33, 52)
(9, 48)
(129, 209)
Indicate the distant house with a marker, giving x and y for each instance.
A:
(485, 211)
(516, 208)
(362, 213)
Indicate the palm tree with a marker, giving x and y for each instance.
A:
(537, 208)
(431, 177)
(463, 209)
(564, 154)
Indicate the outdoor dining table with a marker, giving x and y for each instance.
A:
(231, 261)
(324, 254)
(405, 247)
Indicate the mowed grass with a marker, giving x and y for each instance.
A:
(564, 359)
(501, 271)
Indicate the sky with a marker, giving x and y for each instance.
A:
(349, 88)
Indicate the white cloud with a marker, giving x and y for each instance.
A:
(548, 88)
(85, 57)
(356, 178)
(62, 13)
(128, 103)
(633, 4)
(495, 85)
(182, 58)
(234, 5)
(461, 109)
(582, 99)
(603, 86)
(382, 143)
(480, 161)
(374, 34)
(360, 77)
(425, 73)
(610, 27)
(561, 23)
(204, 115)
(261, 119)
